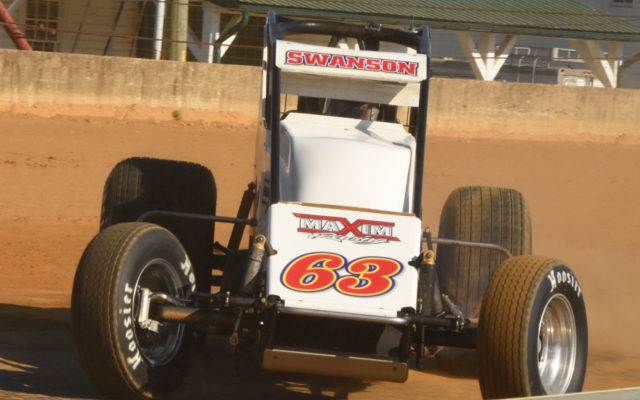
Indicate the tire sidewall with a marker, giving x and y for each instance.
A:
(151, 244)
(559, 279)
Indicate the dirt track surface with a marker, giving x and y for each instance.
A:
(583, 199)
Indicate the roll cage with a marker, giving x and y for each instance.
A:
(369, 36)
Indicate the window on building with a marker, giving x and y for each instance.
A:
(622, 3)
(560, 54)
(521, 51)
(42, 24)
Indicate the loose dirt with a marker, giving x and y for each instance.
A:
(582, 195)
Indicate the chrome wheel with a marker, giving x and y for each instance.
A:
(557, 344)
(159, 345)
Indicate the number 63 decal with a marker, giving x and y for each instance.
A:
(314, 272)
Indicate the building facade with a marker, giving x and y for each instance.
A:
(543, 60)
(123, 28)
(75, 26)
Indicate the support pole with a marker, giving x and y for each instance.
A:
(85, 13)
(179, 30)
(214, 44)
(210, 32)
(16, 3)
(629, 62)
(485, 59)
(210, 29)
(12, 29)
(136, 31)
(107, 48)
(605, 68)
(229, 35)
(158, 29)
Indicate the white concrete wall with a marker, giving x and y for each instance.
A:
(457, 107)
(78, 79)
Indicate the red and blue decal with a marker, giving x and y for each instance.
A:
(298, 57)
(361, 228)
(315, 272)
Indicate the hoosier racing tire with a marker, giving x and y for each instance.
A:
(137, 185)
(120, 357)
(481, 214)
(532, 333)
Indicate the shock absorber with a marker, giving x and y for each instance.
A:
(256, 256)
(251, 276)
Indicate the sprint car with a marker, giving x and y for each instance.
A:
(342, 276)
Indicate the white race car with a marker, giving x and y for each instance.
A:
(342, 278)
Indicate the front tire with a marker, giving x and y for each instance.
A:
(532, 333)
(120, 357)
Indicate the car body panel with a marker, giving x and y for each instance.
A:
(343, 259)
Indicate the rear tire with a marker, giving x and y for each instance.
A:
(121, 358)
(532, 334)
(137, 185)
(481, 214)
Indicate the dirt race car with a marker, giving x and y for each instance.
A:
(341, 278)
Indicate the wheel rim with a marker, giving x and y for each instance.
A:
(158, 348)
(557, 345)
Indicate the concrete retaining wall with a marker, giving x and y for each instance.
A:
(36, 77)
(457, 107)
(502, 109)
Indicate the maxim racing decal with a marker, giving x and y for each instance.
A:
(361, 231)
(310, 58)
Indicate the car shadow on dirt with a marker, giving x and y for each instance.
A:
(219, 372)
(451, 363)
(37, 357)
